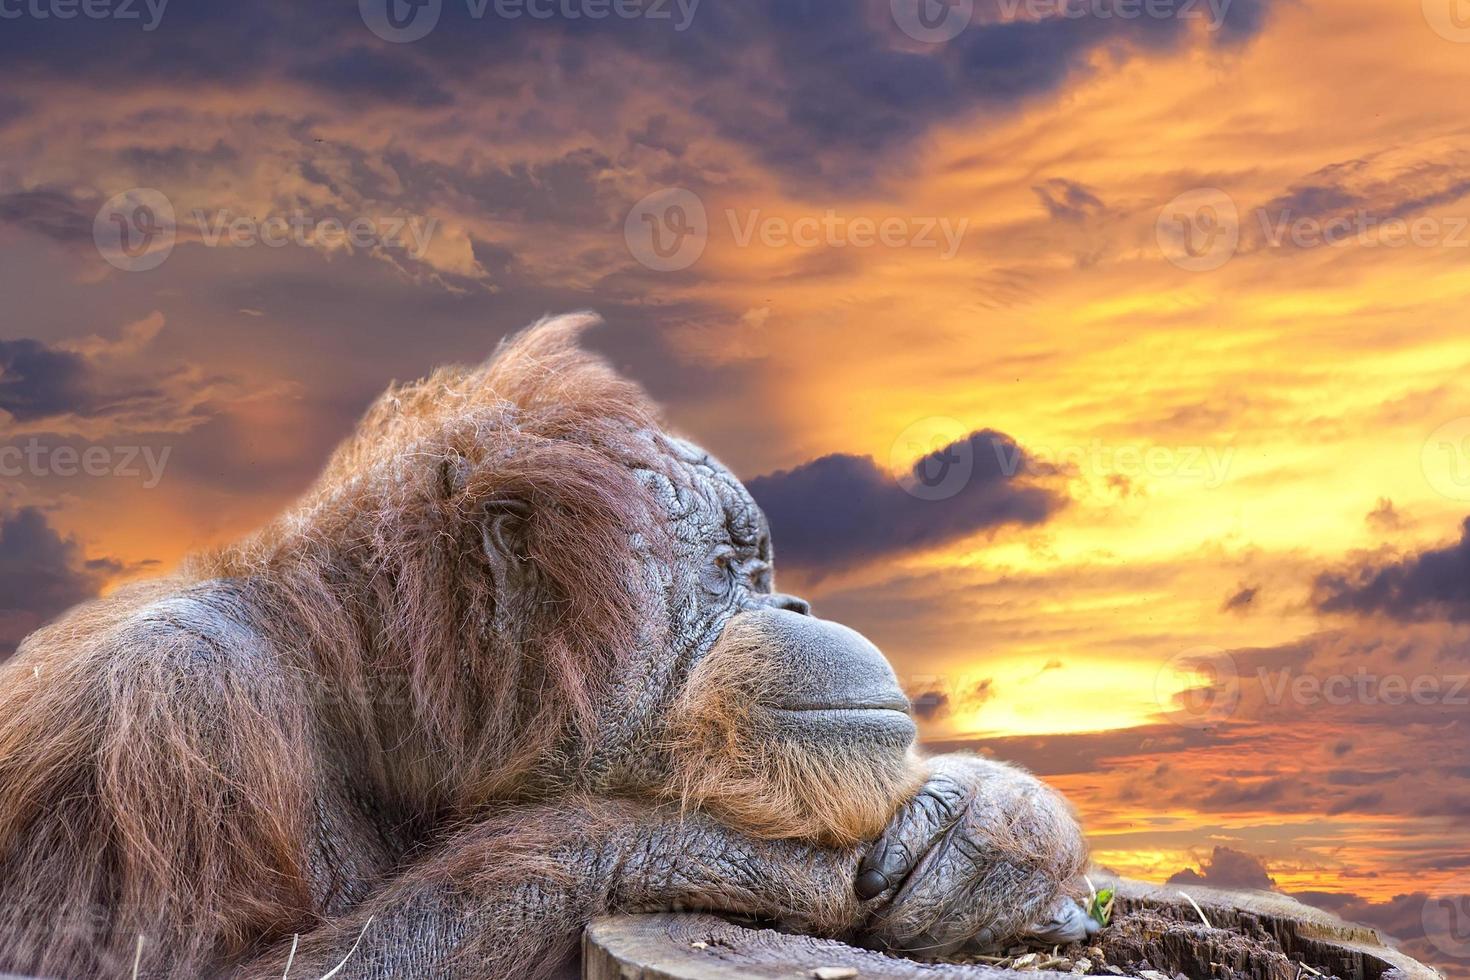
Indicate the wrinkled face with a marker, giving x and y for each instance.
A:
(779, 723)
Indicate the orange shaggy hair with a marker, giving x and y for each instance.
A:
(774, 790)
(155, 781)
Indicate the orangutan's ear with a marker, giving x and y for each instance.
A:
(505, 524)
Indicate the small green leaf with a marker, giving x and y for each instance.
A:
(1101, 908)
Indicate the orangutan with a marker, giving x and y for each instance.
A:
(514, 661)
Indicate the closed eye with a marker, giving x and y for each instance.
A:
(757, 571)
(719, 573)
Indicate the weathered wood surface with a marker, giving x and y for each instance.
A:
(706, 947)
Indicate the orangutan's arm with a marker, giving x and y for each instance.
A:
(979, 854)
(510, 897)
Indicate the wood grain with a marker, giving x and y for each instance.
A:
(694, 946)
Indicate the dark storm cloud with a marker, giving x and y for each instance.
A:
(1242, 599)
(178, 162)
(849, 88)
(1243, 20)
(98, 386)
(41, 574)
(1356, 197)
(1432, 585)
(39, 569)
(572, 189)
(841, 509)
(1231, 796)
(1404, 918)
(1067, 200)
(659, 133)
(1314, 199)
(1356, 804)
(42, 385)
(1227, 868)
(1361, 777)
(935, 697)
(1385, 516)
(371, 73)
(840, 90)
(930, 705)
(189, 43)
(38, 382)
(47, 212)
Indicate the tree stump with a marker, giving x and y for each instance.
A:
(1254, 935)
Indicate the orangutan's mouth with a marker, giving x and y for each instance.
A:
(897, 703)
(888, 722)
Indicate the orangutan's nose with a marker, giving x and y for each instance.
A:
(790, 603)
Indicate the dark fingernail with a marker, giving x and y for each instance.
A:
(870, 884)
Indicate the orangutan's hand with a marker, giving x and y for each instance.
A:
(980, 856)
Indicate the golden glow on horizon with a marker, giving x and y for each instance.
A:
(1055, 700)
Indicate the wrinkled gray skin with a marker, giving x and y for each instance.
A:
(519, 885)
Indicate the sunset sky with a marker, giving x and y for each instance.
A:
(1105, 361)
